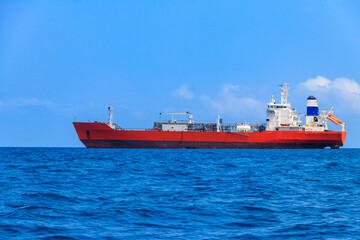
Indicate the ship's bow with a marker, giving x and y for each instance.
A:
(89, 133)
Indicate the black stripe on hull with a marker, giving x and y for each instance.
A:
(202, 145)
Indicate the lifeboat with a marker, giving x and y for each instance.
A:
(334, 119)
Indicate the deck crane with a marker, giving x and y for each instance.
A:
(189, 115)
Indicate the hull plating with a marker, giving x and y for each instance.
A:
(100, 135)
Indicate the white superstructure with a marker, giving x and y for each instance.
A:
(281, 117)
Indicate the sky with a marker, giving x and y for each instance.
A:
(65, 61)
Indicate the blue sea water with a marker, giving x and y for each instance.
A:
(78, 193)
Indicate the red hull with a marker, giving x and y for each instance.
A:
(100, 135)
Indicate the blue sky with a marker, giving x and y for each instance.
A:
(62, 61)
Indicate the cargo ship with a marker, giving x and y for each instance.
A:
(282, 130)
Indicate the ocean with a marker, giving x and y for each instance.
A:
(79, 193)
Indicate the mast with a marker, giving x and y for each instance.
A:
(284, 93)
(218, 123)
(111, 109)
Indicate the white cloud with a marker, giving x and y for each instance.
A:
(342, 92)
(318, 83)
(231, 102)
(349, 89)
(183, 92)
(16, 102)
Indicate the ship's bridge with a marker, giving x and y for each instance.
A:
(272, 106)
(280, 116)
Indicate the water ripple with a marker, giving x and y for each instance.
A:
(77, 193)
